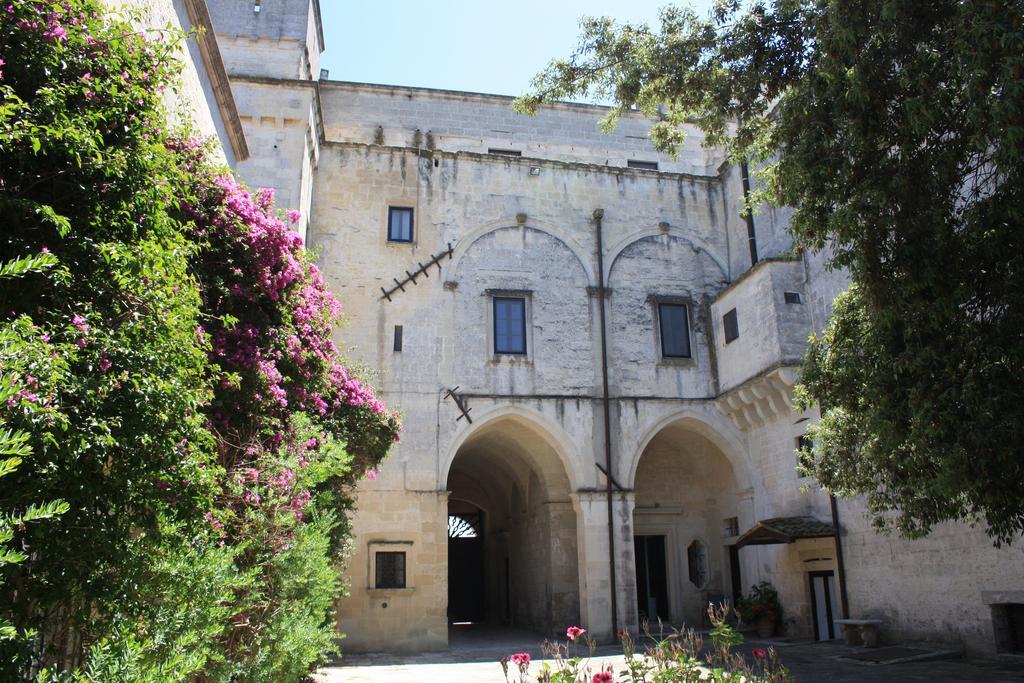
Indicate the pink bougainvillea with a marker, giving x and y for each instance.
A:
(272, 340)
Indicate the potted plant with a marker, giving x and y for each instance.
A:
(761, 609)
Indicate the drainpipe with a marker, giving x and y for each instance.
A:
(602, 293)
(751, 236)
(840, 565)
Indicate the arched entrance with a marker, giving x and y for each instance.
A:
(685, 518)
(512, 556)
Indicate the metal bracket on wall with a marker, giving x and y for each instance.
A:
(423, 270)
(460, 403)
(618, 487)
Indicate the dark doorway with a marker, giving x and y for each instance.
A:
(823, 605)
(1008, 626)
(466, 594)
(651, 578)
(736, 581)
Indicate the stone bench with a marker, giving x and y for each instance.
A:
(860, 631)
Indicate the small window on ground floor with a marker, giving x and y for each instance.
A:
(390, 569)
(697, 561)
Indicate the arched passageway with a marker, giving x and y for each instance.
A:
(512, 557)
(685, 517)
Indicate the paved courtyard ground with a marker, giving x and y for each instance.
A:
(474, 654)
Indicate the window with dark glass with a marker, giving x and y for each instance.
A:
(390, 570)
(646, 165)
(697, 563)
(675, 330)
(509, 324)
(732, 327)
(399, 224)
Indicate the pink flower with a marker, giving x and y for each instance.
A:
(105, 364)
(44, 250)
(79, 322)
(603, 677)
(520, 659)
(293, 216)
(759, 653)
(371, 474)
(574, 632)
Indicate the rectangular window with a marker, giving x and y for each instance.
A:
(399, 224)
(390, 570)
(505, 152)
(732, 327)
(646, 165)
(792, 297)
(510, 325)
(675, 330)
(804, 446)
(398, 337)
(731, 526)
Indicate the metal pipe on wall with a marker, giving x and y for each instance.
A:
(840, 565)
(751, 234)
(598, 216)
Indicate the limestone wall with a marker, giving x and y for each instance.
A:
(524, 226)
(471, 122)
(772, 332)
(195, 101)
(282, 40)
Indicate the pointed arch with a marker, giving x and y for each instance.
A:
(526, 418)
(716, 429)
(463, 245)
(698, 245)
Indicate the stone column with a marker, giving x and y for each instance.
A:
(595, 584)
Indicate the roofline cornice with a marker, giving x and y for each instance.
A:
(206, 39)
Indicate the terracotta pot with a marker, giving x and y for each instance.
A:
(765, 627)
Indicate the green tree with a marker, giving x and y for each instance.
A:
(894, 128)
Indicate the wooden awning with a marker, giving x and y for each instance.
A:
(785, 530)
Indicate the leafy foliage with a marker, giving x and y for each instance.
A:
(895, 130)
(761, 602)
(172, 375)
(681, 655)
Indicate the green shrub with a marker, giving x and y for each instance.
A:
(173, 375)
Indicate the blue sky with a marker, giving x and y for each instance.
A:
(468, 45)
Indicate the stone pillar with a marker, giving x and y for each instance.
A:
(595, 585)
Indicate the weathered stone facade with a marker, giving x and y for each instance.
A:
(701, 444)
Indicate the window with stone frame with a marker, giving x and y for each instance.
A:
(400, 224)
(510, 325)
(389, 569)
(674, 328)
(697, 563)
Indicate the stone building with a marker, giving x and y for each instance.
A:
(594, 355)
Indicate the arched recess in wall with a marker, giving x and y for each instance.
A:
(521, 417)
(514, 557)
(582, 256)
(696, 243)
(687, 494)
(716, 429)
